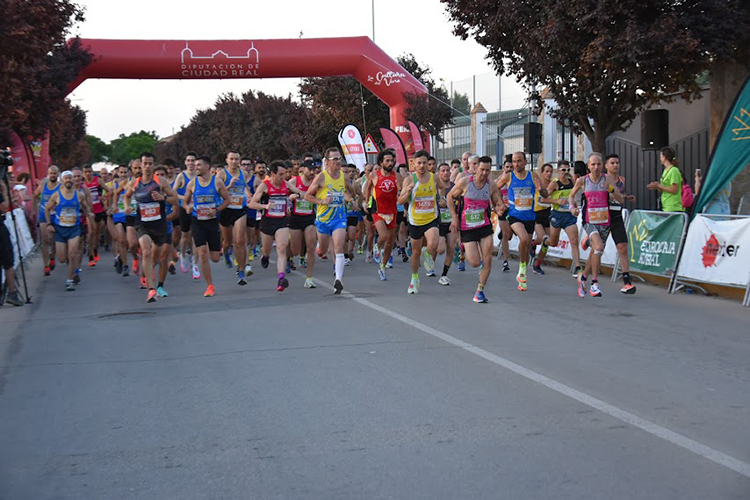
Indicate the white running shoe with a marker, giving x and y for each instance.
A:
(196, 272)
(444, 281)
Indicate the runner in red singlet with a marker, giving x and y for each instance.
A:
(386, 184)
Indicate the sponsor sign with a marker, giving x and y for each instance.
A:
(351, 145)
(654, 241)
(717, 250)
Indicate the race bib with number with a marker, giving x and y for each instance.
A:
(150, 211)
(599, 215)
(387, 218)
(523, 199)
(68, 217)
(276, 208)
(304, 207)
(445, 215)
(337, 200)
(235, 201)
(206, 212)
(424, 205)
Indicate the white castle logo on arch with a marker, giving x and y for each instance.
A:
(220, 64)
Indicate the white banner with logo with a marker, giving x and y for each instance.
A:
(717, 250)
(352, 146)
(563, 248)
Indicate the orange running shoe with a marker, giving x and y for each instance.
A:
(135, 266)
(96, 258)
(143, 283)
(151, 296)
(209, 291)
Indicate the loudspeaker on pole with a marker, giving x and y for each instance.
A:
(654, 129)
(532, 137)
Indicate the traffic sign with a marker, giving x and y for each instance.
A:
(370, 146)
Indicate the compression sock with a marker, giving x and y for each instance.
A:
(626, 278)
(339, 266)
(480, 287)
(445, 270)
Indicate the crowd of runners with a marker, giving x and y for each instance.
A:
(159, 218)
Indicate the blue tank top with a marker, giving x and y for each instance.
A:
(181, 191)
(237, 198)
(68, 211)
(521, 197)
(46, 195)
(251, 214)
(205, 199)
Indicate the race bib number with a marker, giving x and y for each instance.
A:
(206, 212)
(387, 218)
(424, 205)
(150, 211)
(304, 207)
(235, 201)
(68, 217)
(563, 205)
(523, 199)
(445, 215)
(474, 218)
(276, 208)
(337, 200)
(599, 215)
(94, 195)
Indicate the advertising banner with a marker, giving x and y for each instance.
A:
(716, 250)
(351, 145)
(654, 241)
(416, 136)
(393, 141)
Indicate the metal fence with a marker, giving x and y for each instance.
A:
(640, 167)
(457, 139)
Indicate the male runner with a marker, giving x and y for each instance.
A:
(273, 196)
(43, 193)
(478, 195)
(432, 164)
(302, 221)
(117, 213)
(542, 208)
(597, 191)
(96, 187)
(560, 217)
(256, 174)
(353, 214)
(448, 237)
(172, 172)
(384, 184)
(186, 218)
(130, 232)
(505, 232)
(522, 188)
(617, 223)
(68, 205)
(329, 191)
(420, 190)
(233, 219)
(150, 194)
(204, 196)
(172, 211)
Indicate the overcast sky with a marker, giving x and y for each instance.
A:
(419, 27)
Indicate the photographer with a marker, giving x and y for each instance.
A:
(7, 257)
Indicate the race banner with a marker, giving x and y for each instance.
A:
(393, 141)
(717, 250)
(351, 145)
(427, 140)
(416, 136)
(654, 241)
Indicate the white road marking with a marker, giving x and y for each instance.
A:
(657, 430)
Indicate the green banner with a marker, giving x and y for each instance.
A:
(653, 240)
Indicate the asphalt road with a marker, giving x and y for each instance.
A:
(373, 394)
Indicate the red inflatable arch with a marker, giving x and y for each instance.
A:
(214, 59)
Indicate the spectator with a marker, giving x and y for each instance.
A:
(670, 184)
(720, 204)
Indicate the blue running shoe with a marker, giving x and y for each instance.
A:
(479, 297)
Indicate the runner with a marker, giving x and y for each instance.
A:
(84, 193)
(479, 195)
(233, 219)
(542, 208)
(96, 187)
(505, 232)
(448, 237)
(68, 205)
(273, 196)
(187, 261)
(118, 218)
(250, 221)
(617, 223)
(302, 221)
(384, 183)
(420, 190)
(402, 225)
(172, 172)
(130, 232)
(150, 194)
(329, 191)
(597, 191)
(522, 188)
(560, 217)
(172, 212)
(204, 196)
(43, 193)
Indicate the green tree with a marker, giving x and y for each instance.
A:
(37, 63)
(605, 61)
(67, 130)
(126, 148)
(100, 150)
(461, 104)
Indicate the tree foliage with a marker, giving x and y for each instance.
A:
(461, 104)
(127, 147)
(67, 128)
(605, 61)
(100, 150)
(257, 125)
(37, 63)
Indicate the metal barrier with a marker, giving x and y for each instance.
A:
(681, 280)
